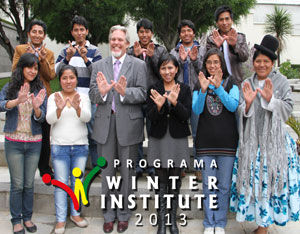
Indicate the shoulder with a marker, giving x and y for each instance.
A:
(184, 88)
(22, 47)
(241, 36)
(135, 60)
(84, 96)
(49, 51)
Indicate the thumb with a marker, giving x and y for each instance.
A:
(258, 90)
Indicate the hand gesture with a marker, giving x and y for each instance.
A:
(217, 38)
(103, 86)
(267, 92)
(204, 83)
(150, 49)
(231, 38)
(182, 53)
(82, 50)
(120, 86)
(158, 99)
(38, 100)
(59, 101)
(249, 94)
(71, 50)
(42, 52)
(76, 101)
(217, 78)
(137, 49)
(29, 48)
(193, 53)
(23, 93)
(173, 95)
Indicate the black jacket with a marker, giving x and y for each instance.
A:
(176, 118)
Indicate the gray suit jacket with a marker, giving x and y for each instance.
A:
(129, 116)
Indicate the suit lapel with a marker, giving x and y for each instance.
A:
(108, 69)
(125, 67)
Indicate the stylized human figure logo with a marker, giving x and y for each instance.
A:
(80, 190)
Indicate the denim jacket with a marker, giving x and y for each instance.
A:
(11, 122)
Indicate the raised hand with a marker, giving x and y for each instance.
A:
(193, 53)
(216, 79)
(82, 50)
(267, 92)
(249, 95)
(42, 52)
(23, 93)
(150, 49)
(71, 50)
(204, 83)
(182, 53)
(158, 99)
(75, 102)
(217, 38)
(59, 101)
(231, 38)
(103, 86)
(137, 49)
(29, 48)
(38, 100)
(120, 86)
(173, 95)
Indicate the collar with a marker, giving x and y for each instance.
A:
(39, 48)
(120, 59)
(195, 43)
(87, 43)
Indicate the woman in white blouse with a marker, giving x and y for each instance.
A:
(68, 112)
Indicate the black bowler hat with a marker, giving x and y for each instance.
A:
(268, 46)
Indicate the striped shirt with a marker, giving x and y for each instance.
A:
(84, 70)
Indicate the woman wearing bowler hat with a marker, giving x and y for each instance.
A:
(266, 174)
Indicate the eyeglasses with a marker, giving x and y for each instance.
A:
(214, 62)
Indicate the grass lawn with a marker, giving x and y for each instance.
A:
(54, 84)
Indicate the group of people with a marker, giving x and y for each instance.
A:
(100, 111)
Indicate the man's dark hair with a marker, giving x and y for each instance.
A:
(147, 24)
(188, 23)
(221, 10)
(37, 22)
(81, 21)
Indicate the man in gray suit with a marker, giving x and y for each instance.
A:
(118, 86)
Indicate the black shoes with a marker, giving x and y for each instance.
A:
(31, 228)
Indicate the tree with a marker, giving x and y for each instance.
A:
(101, 14)
(167, 14)
(280, 24)
(17, 12)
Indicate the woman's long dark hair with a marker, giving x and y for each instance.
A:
(17, 79)
(209, 53)
(166, 59)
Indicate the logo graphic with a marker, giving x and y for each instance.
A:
(80, 190)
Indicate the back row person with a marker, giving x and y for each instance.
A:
(37, 30)
(81, 54)
(149, 52)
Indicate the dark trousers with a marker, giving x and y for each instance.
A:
(45, 151)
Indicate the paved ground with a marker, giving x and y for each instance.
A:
(45, 224)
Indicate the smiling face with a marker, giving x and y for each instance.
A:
(168, 71)
(145, 36)
(30, 73)
(118, 43)
(224, 22)
(213, 64)
(36, 35)
(187, 36)
(263, 66)
(79, 33)
(68, 81)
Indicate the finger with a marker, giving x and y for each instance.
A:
(70, 43)
(259, 90)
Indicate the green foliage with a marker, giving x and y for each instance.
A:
(287, 70)
(294, 124)
(3, 82)
(167, 14)
(280, 24)
(101, 15)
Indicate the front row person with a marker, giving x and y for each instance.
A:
(266, 175)
(24, 100)
(68, 112)
(118, 86)
(217, 135)
(169, 105)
